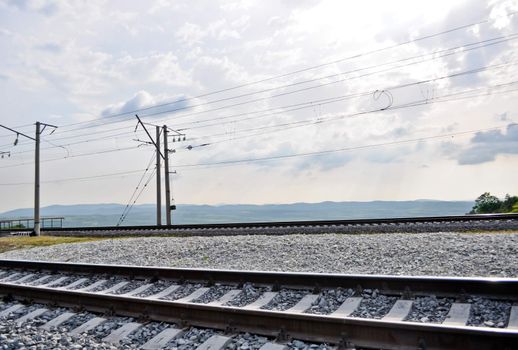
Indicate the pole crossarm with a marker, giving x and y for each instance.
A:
(18, 132)
(149, 135)
(49, 125)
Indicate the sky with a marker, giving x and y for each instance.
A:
(279, 101)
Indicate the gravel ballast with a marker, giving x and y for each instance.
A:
(488, 313)
(454, 254)
(285, 299)
(157, 287)
(183, 291)
(248, 295)
(430, 309)
(373, 304)
(214, 293)
(31, 337)
(330, 300)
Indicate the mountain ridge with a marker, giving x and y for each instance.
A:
(107, 214)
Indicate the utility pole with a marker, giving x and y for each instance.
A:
(167, 184)
(178, 136)
(36, 139)
(158, 179)
(37, 182)
(159, 155)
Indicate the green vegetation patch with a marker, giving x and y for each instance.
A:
(22, 242)
(487, 204)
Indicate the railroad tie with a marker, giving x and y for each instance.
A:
(225, 298)
(41, 280)
(165, 292)
(138, 290)
(303, 304)
(273, 346)
(31, 315)
(458, 314)
(122, 332)
(215, 342)
(161, 339)
(93, 286)
(24, 278)
(347, 307)
(55, 322)
(513, 318)
(85, 327)
(10, 277)
(263, 300)
(56, 281)
(10, 310)
(399, 311)
(75, 283)
(194, 295)
(114, 288)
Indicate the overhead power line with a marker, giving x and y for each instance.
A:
(268, 130)
(427, 101)
(355, 56)
(313, 103)
(433, 56)
(76, 156)
(300, 123)
(308, 153)
(71, 179)
(343, 149)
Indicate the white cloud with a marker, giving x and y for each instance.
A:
(500, 13)
(190, 34)
(73, 62)
(149, 103)
(486, 146)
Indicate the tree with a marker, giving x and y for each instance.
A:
(486, 203)
(509, 203)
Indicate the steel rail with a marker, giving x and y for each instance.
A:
(360, 332)
(280, 224)
(502, 288)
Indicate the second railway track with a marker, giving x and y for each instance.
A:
(350, 311)
(385, 225)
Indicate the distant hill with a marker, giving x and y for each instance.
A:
(144, 214)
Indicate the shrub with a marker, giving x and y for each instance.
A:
(487, 203)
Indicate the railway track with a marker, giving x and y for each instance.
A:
(344, 311)
(417, 224)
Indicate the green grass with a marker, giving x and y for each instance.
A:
(22, 242)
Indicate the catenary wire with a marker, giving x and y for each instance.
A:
(366, 53)
(426, 101)
(454, 51)
(343, 149)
